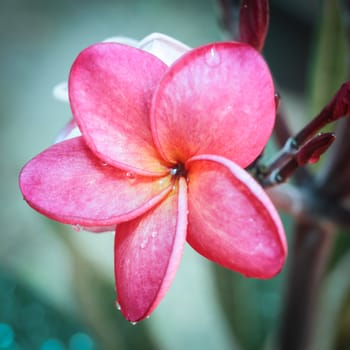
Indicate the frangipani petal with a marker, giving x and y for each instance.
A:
(60, 92)
(160, 45)
(164, 47)
(110, 90)
(98, 229)
(68, 183)
(122, 40)
(217, 99)
(231, 219)
(70, 131)
(147, 254)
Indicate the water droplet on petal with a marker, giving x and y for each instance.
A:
(117, 305)
(228, 109)
(154, 234)
(76, 228)
(147, 317)
(212, 58)
(131, 176)
(144, 243)
(104, 164)
(133, 323)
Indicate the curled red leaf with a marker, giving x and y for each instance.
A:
(254, 22)
(339, 105)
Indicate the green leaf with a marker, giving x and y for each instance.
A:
(250, 306)
(329, 64)
(334, 311)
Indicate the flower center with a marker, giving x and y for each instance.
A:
(178, 170)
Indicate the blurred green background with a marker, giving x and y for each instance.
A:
(57, 285)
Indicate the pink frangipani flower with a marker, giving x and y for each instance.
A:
(161, 157)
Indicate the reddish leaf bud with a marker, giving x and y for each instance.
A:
(254, 22)
(312, 151)
(337, 108)
(340, 104)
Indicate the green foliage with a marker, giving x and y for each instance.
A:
(329, 65)
(250, 306)
(31, 320)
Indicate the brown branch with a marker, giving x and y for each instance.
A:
(312, 246)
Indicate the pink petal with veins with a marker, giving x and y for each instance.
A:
(217, 99)
(231, 219)
(69, 184)
(99, 229)
(110, 90)
(147, 254)
(160, 45)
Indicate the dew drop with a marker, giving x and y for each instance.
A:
(228, 109)
(118, 307)
(104, 164)
(212, 58)
(147, 317)
(154, 234)
(144, 243)
(131, 176)
(76, 228)
(133, 323)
